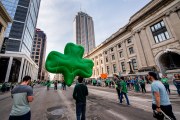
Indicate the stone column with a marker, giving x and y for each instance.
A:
(20, 72)
(140, 51)
(125, 54)
(30, 71)
(175, 22)
(116, 59)
(9, 69)
(146, 48)
(24, 69)
(26, 73)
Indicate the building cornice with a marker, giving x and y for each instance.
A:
(4, 14)
(142, 14)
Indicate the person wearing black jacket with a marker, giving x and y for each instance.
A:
(117, 86)
(79, 94)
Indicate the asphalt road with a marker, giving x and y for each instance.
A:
(102, 104)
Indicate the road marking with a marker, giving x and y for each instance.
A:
(134, 101)
(71, 114)
(37, 94)
(120, 116)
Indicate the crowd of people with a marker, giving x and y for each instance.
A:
(138, 83)
(159, 89)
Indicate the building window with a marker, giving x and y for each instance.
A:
(97, 72)
(106, 59)
(113, 57)
(129, 41)
(123, 67)
(114, 68)
(102, 70)
(97, 63)
(107, 69)
(121, 54)
(134, 64)
(112, 49)
(105, 52)
(159, 32)
(119, 45)
(37, 53)
(131, 50)
(101, 61)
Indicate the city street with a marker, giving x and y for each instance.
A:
(102, 104)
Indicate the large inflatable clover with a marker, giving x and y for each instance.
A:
(70, 64)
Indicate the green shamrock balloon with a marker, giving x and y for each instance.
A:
(70, 64)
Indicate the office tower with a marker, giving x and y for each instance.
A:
(84, 31)
(39, 52)
(18, 39)
(21, 32)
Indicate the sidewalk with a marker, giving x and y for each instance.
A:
(5, 95)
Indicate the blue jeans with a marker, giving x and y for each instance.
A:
(121, 97)
(27, 116)
(80, 111)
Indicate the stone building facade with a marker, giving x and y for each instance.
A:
(4, 20)
(149, 42)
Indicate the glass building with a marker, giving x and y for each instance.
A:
(20, 33)
(18, 41)
(84, 31)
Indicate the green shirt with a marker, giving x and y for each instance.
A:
(80, 93)
(123, 86)
(164, 80)
(142, 82)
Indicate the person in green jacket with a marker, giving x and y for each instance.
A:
(136, 84)
(143, 85)
(164, 80)
(48, 84)
(124, 91)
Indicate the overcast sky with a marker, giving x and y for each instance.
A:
(56, 18)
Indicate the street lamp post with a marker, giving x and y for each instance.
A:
(131, 71)
(172, 65)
